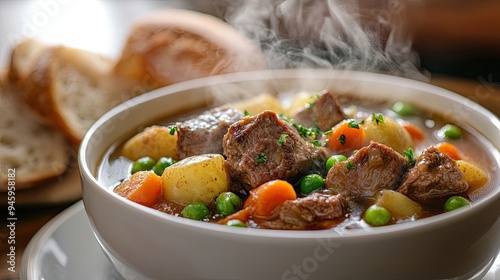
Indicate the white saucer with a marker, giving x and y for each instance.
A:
(65, 248)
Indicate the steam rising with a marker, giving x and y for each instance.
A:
(337, 34)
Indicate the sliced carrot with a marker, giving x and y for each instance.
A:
(266, 197)
(449, 149)
(242, 215)
(346, 136)
(143, 187)
(415, 132)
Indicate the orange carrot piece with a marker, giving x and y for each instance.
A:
(266, 197)
(242, 215)
(449, 149)
(415, 132)
(143, 187)
(345, 136)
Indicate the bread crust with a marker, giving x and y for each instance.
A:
(171, 46)
(41, 89)
(30, 151)
(35, 84)
(69, 88)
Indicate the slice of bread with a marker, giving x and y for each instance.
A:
(30, 152)
(171, 45)
(24, 55)
(68, 88)
(71, 88)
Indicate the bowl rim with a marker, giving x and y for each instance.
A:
(386, 79)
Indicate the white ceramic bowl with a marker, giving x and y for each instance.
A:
(144, 243)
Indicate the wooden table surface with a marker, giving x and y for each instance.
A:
(30, 218)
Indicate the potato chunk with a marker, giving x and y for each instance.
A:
(154, 141)
(387, 131)
(195, 179)
(259, 104)
(300, 100)
(400, 206)
(475, 177)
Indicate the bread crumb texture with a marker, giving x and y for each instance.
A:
(35, 151)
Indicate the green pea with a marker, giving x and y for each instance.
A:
(142, 164)
(195, 211)
(404, 109)
(227, 203)
(334, 159)
(163, 163)
(377, 215)
(311, 183)
(236, 223)
(455, 202)
(450, 131)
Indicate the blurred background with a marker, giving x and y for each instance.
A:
(100, 26)
(458, 38)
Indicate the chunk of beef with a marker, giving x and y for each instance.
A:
(308, 212)
(203, 134)
(434, 177)
(262, 148)
(371, 169)
(324, 112)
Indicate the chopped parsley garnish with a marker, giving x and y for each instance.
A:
(285, 118)
(342, 139)
(318, 143)
(410, 156)
(378, 118)
(309, 104)
(282, 138)
(353, 124)
(350, 165)
(262, 158)
(313, 98)
(245, 112)
(173, 129)
(305, 132)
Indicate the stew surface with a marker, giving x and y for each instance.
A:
(309, 162)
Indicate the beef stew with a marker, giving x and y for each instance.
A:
(395, 157)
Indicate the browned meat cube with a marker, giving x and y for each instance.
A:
(434, 177)
(203, 134)
(373, 168)
(324, 112)
(308, 212)
(262, 148)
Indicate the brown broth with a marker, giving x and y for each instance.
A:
(473, 148)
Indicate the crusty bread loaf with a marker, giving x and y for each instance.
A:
(171, 46)
(29, 151)
(24, 55)
(71, 88)
(67, 87)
